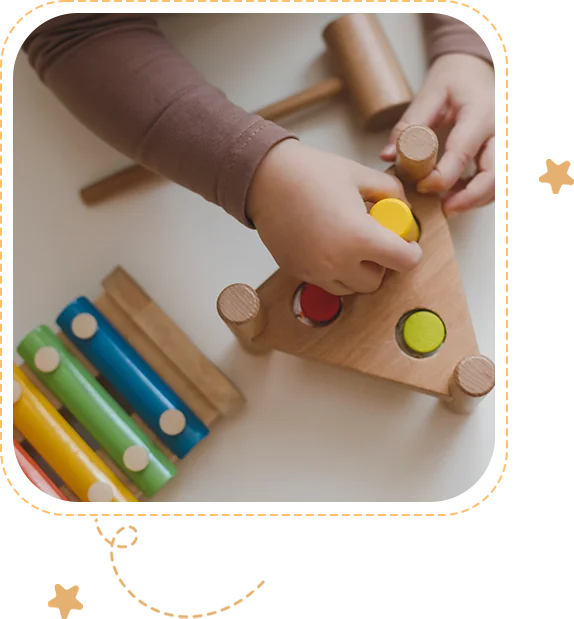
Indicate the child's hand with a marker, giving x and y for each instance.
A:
(309, 209)
(459, 91)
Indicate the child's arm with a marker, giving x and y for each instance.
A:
(458, 92)
(447, 35)
(123, 80)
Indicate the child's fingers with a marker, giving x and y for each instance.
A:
(374, 185)
(426, 108)
(459, 186)
(478, 192)
(462, 145)
(365, 277)
(387, 249)
(446, 118)
(335, 287)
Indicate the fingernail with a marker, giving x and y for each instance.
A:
(388, 150)
(414, 244)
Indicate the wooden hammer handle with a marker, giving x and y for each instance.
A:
(136, 175)
(327, 89)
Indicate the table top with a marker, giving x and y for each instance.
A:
(309, 432)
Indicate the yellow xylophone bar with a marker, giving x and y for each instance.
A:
(62, 447)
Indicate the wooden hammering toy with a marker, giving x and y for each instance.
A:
(368, 72)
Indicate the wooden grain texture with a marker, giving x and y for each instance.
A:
(323, 91)
(372, 75)
(363, 337)
(110, 186)
(176, 345)
(158, 360)
(472, 379)
(240, 308)
(417, 151)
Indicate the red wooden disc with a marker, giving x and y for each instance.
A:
(319, 305)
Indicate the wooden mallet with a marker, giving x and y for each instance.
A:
(368, 71)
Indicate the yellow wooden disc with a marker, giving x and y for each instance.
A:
(423, 332)
(395, 215)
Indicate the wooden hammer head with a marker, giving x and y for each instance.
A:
(369, 68)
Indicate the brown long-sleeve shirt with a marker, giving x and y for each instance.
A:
(121, 78)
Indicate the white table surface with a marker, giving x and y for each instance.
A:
(309, 432)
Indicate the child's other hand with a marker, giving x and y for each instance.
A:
(458, 92)
(309, 209)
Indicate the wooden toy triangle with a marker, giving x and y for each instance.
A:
(363, 337)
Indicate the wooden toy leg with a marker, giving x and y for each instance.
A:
(240, 307)
(417, 150)
(471, 381)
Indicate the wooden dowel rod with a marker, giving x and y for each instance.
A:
(239, 306)
(323, 91)
(136, 175)
(471, 381)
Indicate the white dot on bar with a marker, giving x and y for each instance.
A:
(172, 422)
(47, 359)
(16, 391)
(84, 326)
(136, 458)
(100, 492)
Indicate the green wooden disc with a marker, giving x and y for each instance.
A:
(423, 332)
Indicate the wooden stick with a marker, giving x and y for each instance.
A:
(136, 175)
(326, 89)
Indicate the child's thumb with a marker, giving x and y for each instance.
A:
(375, 185)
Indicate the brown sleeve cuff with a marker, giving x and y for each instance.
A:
(447, 35)
(243, 159)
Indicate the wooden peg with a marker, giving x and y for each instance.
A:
(417, 150)
(471, 381)
(239, 306)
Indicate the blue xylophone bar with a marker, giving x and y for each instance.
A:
(156, 403)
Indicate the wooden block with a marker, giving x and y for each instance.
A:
(157, 359)
(363, 338)
(165, 334)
